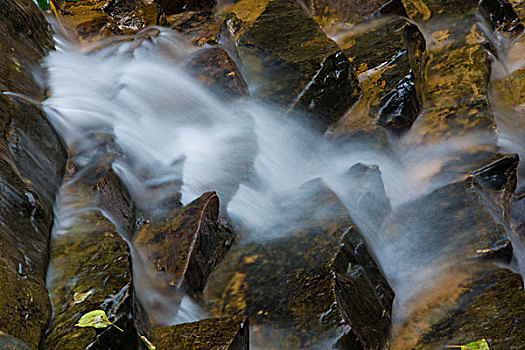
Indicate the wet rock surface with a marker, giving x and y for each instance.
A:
(170, 7)
(186, 245)
(295, 64)
(32, 161)
(92, 20)
(90, 270)
(298, 289)
(389, 75)
(209, 334)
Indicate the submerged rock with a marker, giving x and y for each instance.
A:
(91, 270)
(306, 286)
(210, 334)
(293, 64)
(92, 20)
(385, 53)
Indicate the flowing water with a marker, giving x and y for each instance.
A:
(175, 135)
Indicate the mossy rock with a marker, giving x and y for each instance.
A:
(294, 287)
(386, 55)
(501, 17)
(8, 342)
(293, 64)
(92, 20)
(229, 333)
(91, 270)
(201, 27)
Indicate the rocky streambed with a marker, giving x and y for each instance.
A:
(273, 174)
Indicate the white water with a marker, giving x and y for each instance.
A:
(173, 131)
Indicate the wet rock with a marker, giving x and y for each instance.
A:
(490, 305)
(187, 245)
(90, 270)
(32, 160)
(25, 39)
(201, 27)
(214, 68)
(92, 20)
(170, 7)
(210, 334)
(293, 64)
(501, 16)
(385, 53)
(331, 12)
(8, 342)
(299, 285)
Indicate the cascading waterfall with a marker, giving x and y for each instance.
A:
(177, 136)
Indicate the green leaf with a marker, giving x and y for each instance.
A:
(96, 319)
(477, 345)
(43, 4)
(148, 344)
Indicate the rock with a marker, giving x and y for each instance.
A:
(385, 53)
(186, 245)
(32, 159)
(294, 288)
(295, 64)
(199, 26)
(25, 39)
(488, 304)
(214, 68)
(91, 270)
(332, 12)
(211, 334)
(501, 16)
(170, 7)
(8, 342)
(92, 20)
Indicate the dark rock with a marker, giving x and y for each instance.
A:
(186, 246)
(294, 64)
(501, 16)
(92, 20)
(8, 342)
(294, 288)
(330, 12)
(214, 68)
(386, 55)
(170, 7)
(210, 334)
(201, 27)
(91, 270)
(490, 305)
(32, 159)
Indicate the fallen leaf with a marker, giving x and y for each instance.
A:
(477, 345)
(80, 297)
(148, 344)
(96, 319)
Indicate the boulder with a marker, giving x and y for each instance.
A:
(92, 20)
(90, 270)
(8, 342)
(32, 159)
(293, 64)
(211, 334)
(201, 27)
(501, 17)
(385, 53)
(214, 68)
(308, 285)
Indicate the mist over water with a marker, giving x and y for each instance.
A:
(175, 137)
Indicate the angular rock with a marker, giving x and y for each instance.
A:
(501, 16)
(187, 245)
(385, 54)
(332, 12)
(92, 20)
(214, 68)
(293, 64)
(91, 270)
(170, 7)
(210, 334)
(199, 26)
(294, 286)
